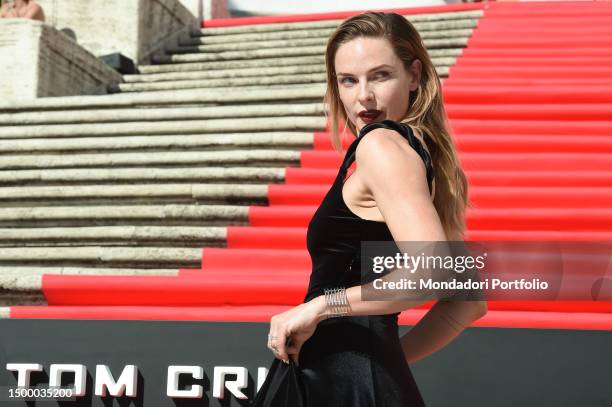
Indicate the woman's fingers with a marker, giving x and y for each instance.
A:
(294, 353)
(281, 346)
(276, 343)
(273, 344)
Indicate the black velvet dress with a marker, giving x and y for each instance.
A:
(354, 361)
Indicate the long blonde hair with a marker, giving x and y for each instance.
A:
(425, 110)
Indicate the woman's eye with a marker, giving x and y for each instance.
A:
(382, 74)
(350, 81)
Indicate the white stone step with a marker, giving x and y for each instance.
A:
(413, 18)
(459, 42)
(312, 60)
(297, 32)
(180, 97)
(243, 42)
(133, 194)
(226, 73)
(80, 256)
(201, 142)
(244, 175)
(263, 63)
(442, 66)
(255, 124)
(121, 215)
(162, 114)
(255, 158)
(262, 80)
(107, 236)
(83, 271)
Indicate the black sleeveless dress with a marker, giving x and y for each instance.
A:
(353, 361)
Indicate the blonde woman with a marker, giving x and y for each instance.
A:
(345, 350)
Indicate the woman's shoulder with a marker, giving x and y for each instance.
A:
(383, 147)
(386, 149)
(377, 138)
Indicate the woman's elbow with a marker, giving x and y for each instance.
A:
(480, 309)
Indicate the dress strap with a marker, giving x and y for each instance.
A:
(405, 131)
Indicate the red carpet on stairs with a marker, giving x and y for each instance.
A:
(530, 108)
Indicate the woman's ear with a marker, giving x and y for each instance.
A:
(415, 72)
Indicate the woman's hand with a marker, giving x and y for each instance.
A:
(297, 323)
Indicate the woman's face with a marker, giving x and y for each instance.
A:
(372, 81)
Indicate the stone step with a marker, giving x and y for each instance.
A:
(114, 88)
(458, 42)
(13, 239)
(261, 80)
(178, 142)
(241, 42)
(198, 97)
(243, 175)
(133, 194)
(305, 25)
(254, 158)
(107, 257)
(227, 73)
(255, 124)
(162, 114)
(11, 295)
(86, 271)
(426, 29)
(239, 55)
(215, 66)
(442, 68)
(216, 217)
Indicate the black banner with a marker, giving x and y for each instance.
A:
(483, 367)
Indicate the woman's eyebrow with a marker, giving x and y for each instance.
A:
(373, 69)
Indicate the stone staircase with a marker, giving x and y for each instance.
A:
(137, 182)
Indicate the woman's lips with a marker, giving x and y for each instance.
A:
(370, 116)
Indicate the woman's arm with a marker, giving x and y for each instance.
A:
(442, 323)
(396, 177)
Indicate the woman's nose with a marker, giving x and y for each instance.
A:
(365, 92)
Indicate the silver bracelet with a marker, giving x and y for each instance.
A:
(336, 302)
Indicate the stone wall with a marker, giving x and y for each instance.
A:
(37, 61)
(207, 9)
(135, 28)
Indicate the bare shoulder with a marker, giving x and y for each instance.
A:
(35, 12)
(35, 8)
(390, 167)
(385, 148)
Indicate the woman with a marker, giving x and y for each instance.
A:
(22, 9)
(380, 82)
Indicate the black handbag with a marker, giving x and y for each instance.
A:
(282, 387)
